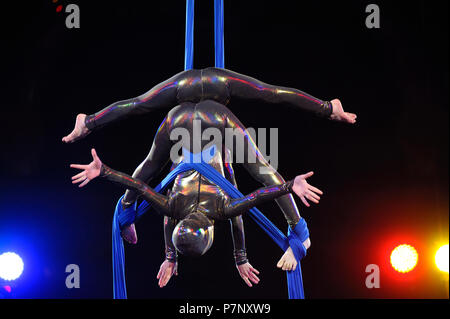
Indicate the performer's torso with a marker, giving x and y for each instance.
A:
(191, 191)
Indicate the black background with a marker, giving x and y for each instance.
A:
(385, 179)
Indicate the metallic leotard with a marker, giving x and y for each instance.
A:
(202, 95)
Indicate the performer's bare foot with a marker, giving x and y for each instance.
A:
(129, 234)
(340, 115)
(166, 271)
(80, 130)
(288, 261)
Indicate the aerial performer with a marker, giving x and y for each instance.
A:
(206, 192)
(202, 95)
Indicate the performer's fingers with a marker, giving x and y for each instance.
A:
(159, 272)
(309, 174)
(78, 180)
(166, 279)
(84, 183)
(312, 199)
(304, 201)
(161, 281)
(315, 189)
(313, 195)
(253, 277)
(94, 155)
(78, 175)
(80, 166)
(254, 270)
(247, 281)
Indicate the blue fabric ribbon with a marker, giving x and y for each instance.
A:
(189, 41)
(218, 34)
(295, 237)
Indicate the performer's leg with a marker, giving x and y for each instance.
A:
(155, 161)
(150, 167)
(261, 170)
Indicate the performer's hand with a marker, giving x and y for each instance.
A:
(248, 273)
(166, 272)
(80, 130)
(90, 171)
(306, 191)
(340, 115)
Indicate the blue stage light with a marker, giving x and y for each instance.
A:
(11, 266)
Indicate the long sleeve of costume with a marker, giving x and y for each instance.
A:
(238, 206)
(169, 226)
(245, 87)
(159, 201)
(236, 223)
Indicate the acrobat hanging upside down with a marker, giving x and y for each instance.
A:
(200, 194)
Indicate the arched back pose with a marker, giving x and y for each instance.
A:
(193, 88)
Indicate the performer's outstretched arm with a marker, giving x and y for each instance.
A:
(97, 168)
(238, 206)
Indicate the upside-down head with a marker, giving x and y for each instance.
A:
(193, 235)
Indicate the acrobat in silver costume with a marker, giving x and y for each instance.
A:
(194, 202)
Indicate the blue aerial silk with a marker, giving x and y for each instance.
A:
(218, 34)
(189, 41)
(123, 217)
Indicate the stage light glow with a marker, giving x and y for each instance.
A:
(11, 266)
(404, 258)
(441, 258)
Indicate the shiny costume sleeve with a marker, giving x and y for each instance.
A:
(231, 207)
(236, 223)
(159, 201)
(238, 206)
(170, 250)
